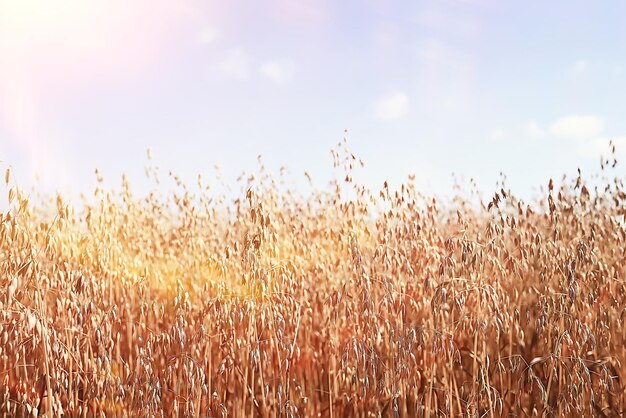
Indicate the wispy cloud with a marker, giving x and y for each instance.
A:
(236, 64)
(585, 132)
(580, 67)
(534, 130)
(207, 35)
(386, 34)
(439, 56)
(446, 76)
(496, 134)
(393, 106)
(280, 71)
(578, 127)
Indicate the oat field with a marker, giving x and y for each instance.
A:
(347, 301)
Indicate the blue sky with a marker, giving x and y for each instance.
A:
(474, 87)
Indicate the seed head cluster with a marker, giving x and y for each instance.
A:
(342, 302)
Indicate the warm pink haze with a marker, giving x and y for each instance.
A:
(52, 53)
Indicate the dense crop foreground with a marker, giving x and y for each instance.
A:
(338, 303)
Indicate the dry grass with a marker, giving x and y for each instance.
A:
(346, 302)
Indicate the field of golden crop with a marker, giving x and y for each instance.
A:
(343, 302)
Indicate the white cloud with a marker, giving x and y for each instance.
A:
(581, 66)
(279, 71)
(578, 127)
(236, 64)
(394, 106)
(585, 135)
(207, 35)
(535, 131)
